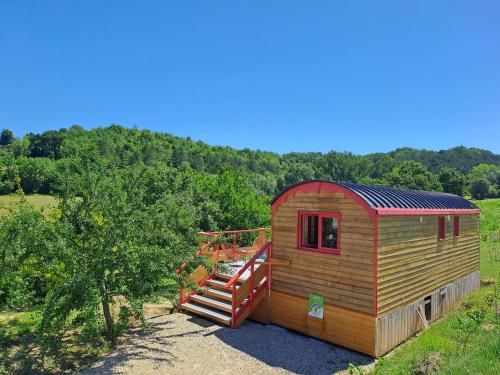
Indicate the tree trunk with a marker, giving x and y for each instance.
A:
(110, 327)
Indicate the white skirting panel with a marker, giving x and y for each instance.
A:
(397, 327)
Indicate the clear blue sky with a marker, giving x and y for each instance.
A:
(360, 76)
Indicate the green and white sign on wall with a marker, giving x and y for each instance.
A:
(315, 306)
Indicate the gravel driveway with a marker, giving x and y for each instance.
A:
(186, 344)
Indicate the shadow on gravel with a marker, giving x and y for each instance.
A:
(152, 346)
(279, 347)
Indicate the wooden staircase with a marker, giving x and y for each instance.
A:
(229, 298)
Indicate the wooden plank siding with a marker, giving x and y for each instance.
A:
(344, 280)
(412, 262)
(340, 326)
(262, 312)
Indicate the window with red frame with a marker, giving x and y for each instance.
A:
(441, 229)
(456, 226)
(319, 231)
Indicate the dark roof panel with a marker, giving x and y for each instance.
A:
(404, 198)
(388, 197)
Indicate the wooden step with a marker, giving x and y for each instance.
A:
(207, 313)
(211, 292)
(226, 277)
(216, 304)
(220, 284)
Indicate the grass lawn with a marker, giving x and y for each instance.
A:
(490, 215)
(11, 202)
(490, 250)
(441, 346)
(440, 349)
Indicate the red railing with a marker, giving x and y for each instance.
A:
(238, 310)
(211, 234)
(240, 302)
(230, 251)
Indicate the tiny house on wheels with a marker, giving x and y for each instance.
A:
(365, 267)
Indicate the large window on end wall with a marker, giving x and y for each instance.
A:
(319, 231)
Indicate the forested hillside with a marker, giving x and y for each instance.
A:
(38, 160)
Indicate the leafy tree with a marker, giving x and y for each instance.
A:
(480, 188)
(452, 181)
(38, 175)
(297, 172)
(488, 171)
(19, 147)
(379, 165)
(482, 172)
(114, 244)
(8, 173)
(239, 204)
(413, 175)
(6, 137)
(47, 145)
(344, 167)
(263, 183)
(25, 273)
